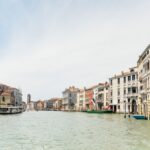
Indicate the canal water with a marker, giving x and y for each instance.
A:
(72, 131)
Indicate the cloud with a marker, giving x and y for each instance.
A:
(50, 45)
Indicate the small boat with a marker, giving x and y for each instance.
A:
(139, 117)
(100, 111)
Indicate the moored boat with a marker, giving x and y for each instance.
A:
(11, 110)
(100, 111)
(139, 117)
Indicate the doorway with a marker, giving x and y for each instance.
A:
(134, 107)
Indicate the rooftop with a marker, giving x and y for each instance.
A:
(126, 73)
(71, 89)
(143, 55)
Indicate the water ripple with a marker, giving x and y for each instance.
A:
(72, 131)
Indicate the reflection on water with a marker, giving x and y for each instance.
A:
(72, 131)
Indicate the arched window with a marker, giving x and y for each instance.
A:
(148, 67)
(3, 99)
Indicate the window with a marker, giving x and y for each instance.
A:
(141, 88)
(129, 78)
(134, 90)
(3, 99)
(133, 77)
(111, 93)
(118, 101)
(128, 100)
(100, 89)
(118, 80)
(124, 79)
(118, 92)
(111, 83)
(132, 70)
(124, 90)
(129, 90)
(70, 95)
(148, 67)
(119, 107)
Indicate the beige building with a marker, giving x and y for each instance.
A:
(6, 99)
(57, 104)
(39, 105)
(10, 96)
(144, 82)
(80, 106)
(101, 96)
(123, 91)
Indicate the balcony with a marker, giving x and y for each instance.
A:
(87, 101)
(81, 102)
(65, 102)
(99, 100)
(140, 78)
(143, 91)
(132, 95)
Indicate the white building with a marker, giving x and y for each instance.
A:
(101, 96)
(123, 91)
(81, 100)
(144, 82)
(30, 104)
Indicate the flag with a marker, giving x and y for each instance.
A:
(92, 102)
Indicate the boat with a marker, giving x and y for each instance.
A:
(100, 111)
(11, 110)
(139, 117)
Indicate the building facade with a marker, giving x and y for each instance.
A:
(70, 99)
(144, 82)
(10, 96)
(48, 104)
(123, 91)
(101, 96)
(89, 98)
(39, 105)
(30, 103)
(57, 105)
(81, 100)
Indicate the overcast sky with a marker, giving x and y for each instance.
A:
(48, 45)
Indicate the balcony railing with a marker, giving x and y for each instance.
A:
(131, 94)
(143, 91)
